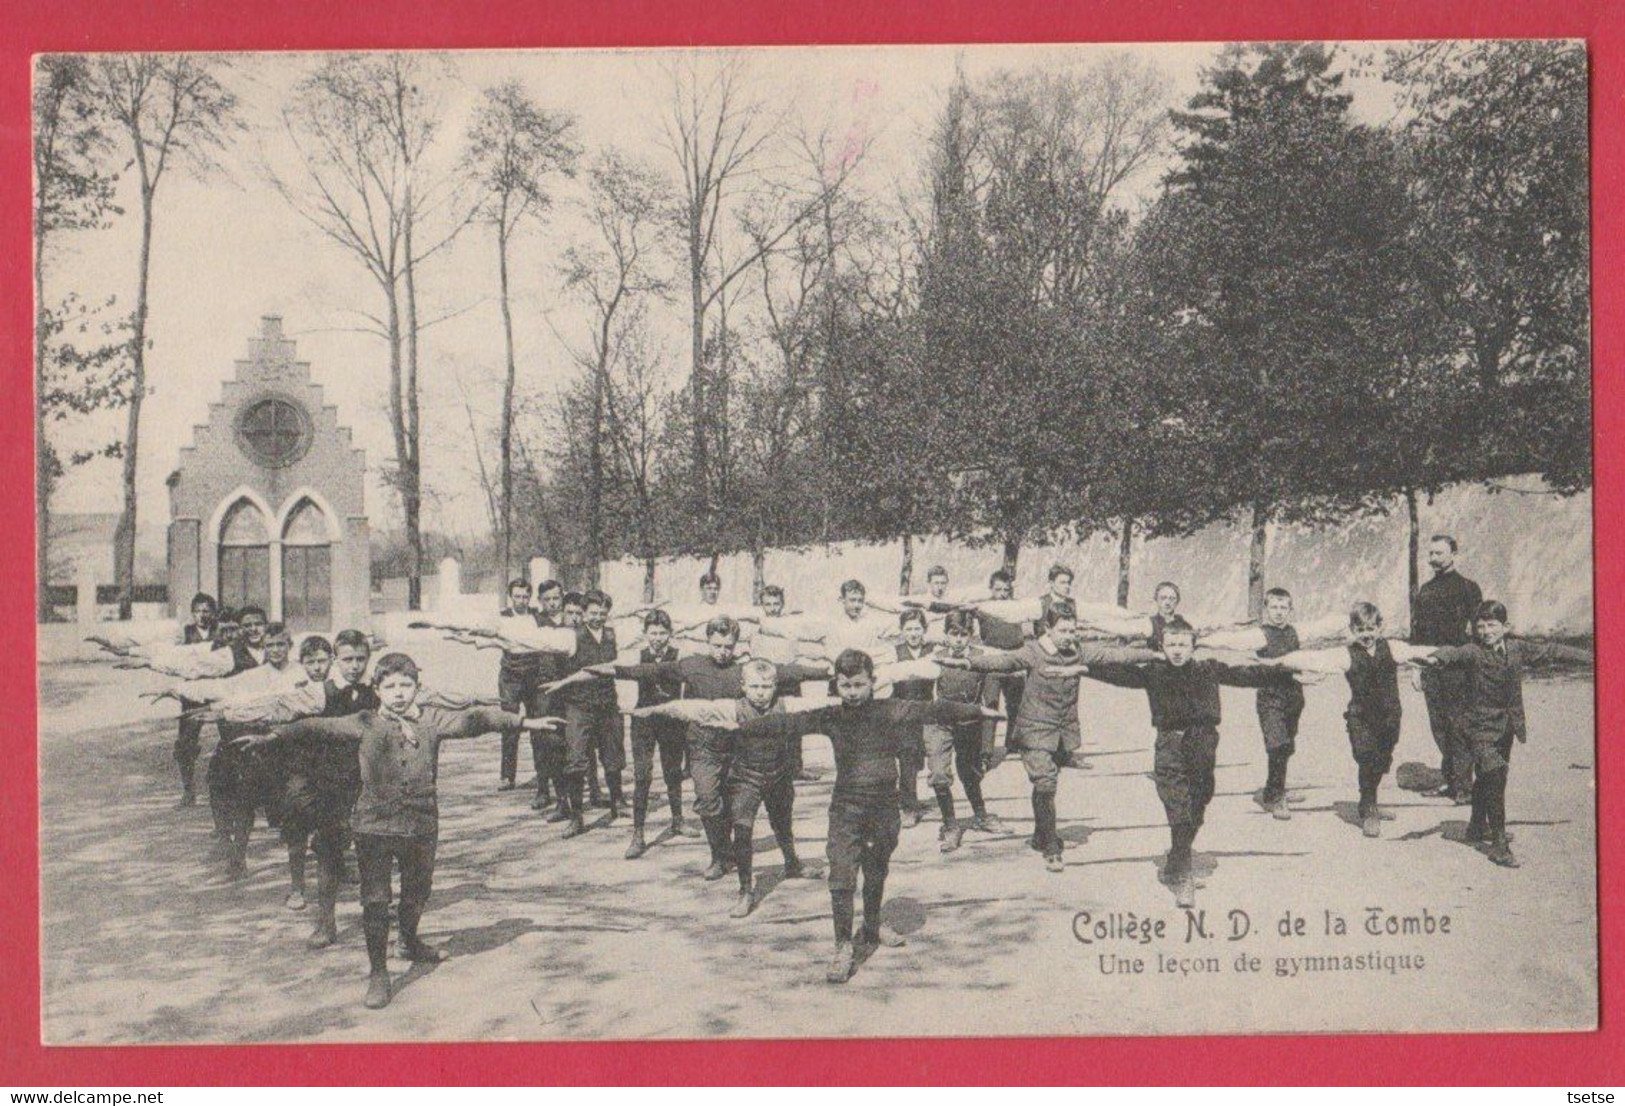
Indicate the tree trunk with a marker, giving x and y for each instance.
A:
(1413, 547)
(413, 474)
(44, 478)
(595, 476)
(696, 296)
(506, 537)
(648, 579)
(1255, 560)
(905, 576)
(758, 573)
(1125, 553)
(1012, 551)
(124, 536)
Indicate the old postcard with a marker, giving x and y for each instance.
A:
(815, 542)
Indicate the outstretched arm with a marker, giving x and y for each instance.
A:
(1332, 662)
(718, 714)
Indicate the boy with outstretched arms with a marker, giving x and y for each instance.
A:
(961, 743)
(1047, 727)
(715, 675)
(997, 633)
(316, 659)
(867, 737)
(397, 819)
(758, 770)
(651, 732)
(516, 672)
(189, 742)
(324, 780)
(1184, 696)
(547, 746)
(592, 715)
(1494, 666)
(1371, 665)
(912, 625)
(1280, 702)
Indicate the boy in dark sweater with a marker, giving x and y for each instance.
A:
(867, 736)
(1371, 665)
(323, 782)
(1184, 696)
(651, 732)
(1494, 667)
(911, 623)
(397, 820)
(515, 674)
(964, 744)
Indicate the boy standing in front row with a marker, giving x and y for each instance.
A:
(867, 736)
(1184, 695)
(963, 743)
(651, 733)
(1371, 664)
(1494, 716)
(397, 819)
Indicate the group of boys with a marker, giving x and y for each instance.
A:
(731, 722)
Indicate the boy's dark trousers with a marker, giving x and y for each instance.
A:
(863, 833)
(1372, 742)
(747, 791)
(1445, 690)
(946, 747)
(237, 785)
(669, 737)
(377, 854)
(188, 745)
(1183, 770)
(1493, 761)
(511, 694)
(1279, 724)
(320, 814)
(590, 728)
(708, 771)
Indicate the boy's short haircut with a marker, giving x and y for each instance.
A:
(1178, 625)
(772, 591)
(277, 629)
(1000, 576)
(759, 667)
(518, 583)
(226, 614)
(1491, 610)
(1446, 538)
(395, 664)
(596, 598)
(1278, 593)
(575, 599)
(724, 625)
(657, 618)
(1171, 586)
(709, 579)
(244, 612)
(959, 621)
(1062, 610)
(205, 597)
(936, 570)
(1364, 615)
(314, 644)
(853, 587)
(854, 662)
(546, 586)
(1056, 571)
(912, 614)
(355, 639)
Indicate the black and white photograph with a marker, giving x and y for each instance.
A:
(814, 542)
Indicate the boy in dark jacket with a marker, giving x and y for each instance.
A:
(1494, 666)
(962, 744)
(651, 733)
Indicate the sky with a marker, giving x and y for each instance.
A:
(229, 249)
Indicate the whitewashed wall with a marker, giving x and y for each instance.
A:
(1531, 551)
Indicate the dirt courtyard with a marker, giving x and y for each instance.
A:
(143, 943)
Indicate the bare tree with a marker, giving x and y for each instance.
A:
(363, 127)
(513, 146)
(722, 140)
(171, 109)
(612, 276)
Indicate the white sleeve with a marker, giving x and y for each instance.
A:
(1013, 610)
(722, 714)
